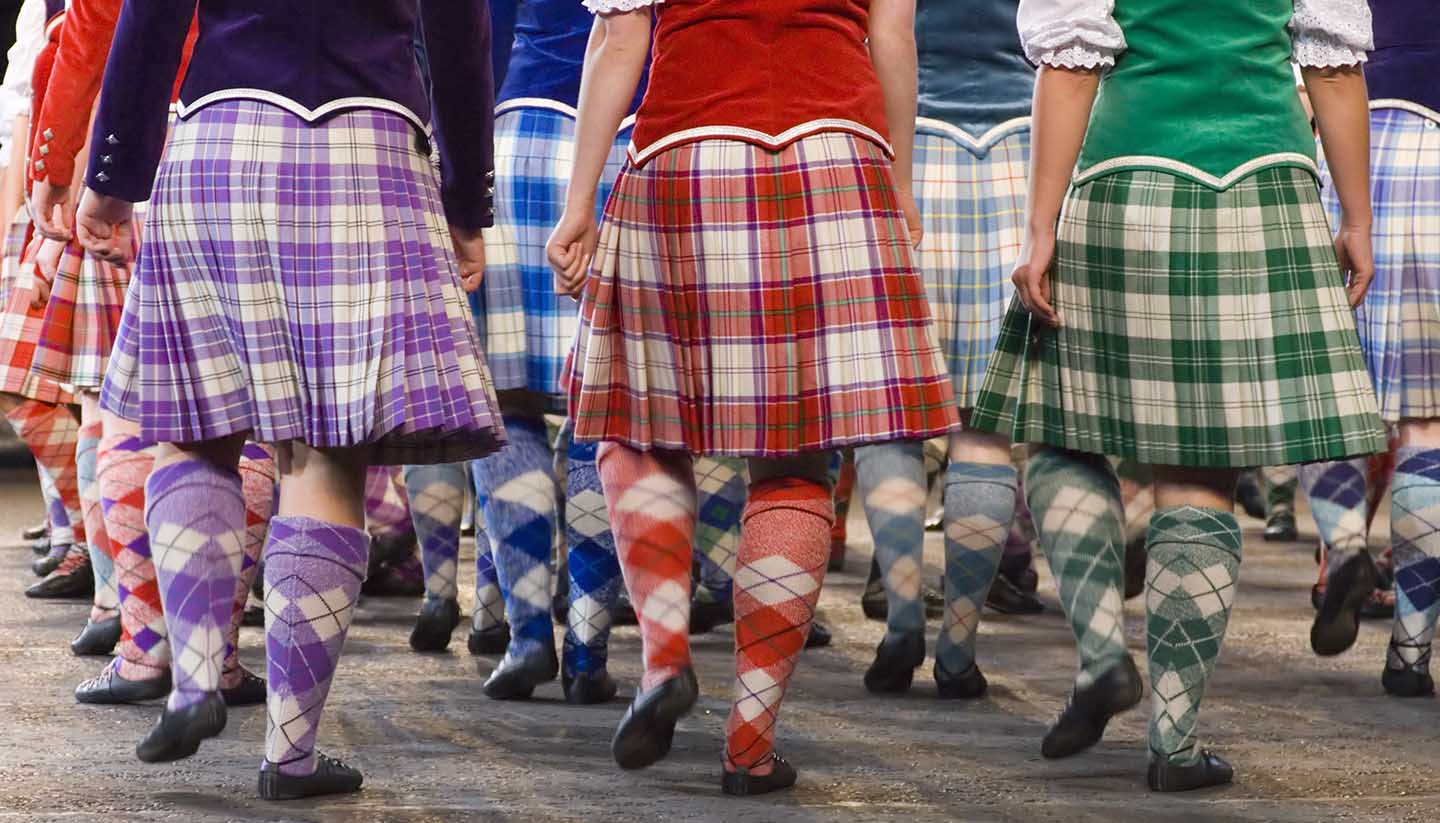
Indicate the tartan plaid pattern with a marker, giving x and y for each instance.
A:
(81, 320)
(974, 214)
(1202, 328)
(1399, 322)
(19, 323)
(298, 282)
(527, 329)
(747, 302)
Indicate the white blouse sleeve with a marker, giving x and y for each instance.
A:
(1331, 32)
(607, 6)
(1070, 34)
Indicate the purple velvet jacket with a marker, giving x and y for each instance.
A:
(314, 57)
(1407, 51)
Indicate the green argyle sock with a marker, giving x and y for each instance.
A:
(1190, 588)
(1075, 501)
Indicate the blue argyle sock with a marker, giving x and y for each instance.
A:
(1415, 529)
(979, 505)
(594, 568)
(437, 502)
(722, 489)
(1338, 501)
(891, 478)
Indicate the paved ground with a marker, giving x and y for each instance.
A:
(1310, 739)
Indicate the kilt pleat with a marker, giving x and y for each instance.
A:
(755, 303)
(973, 208)
(297, 281)
(526, 328)
(1200, 328)
(20, 323)
(1399, 321)
(81, 320)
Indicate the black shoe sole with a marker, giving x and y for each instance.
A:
(130, 691)
(274, 786)
(97, 639)
(1337, 623)
(736, 784)
(892, 672)
(519, 682)
(489, 643)
(432, 634)
(1098, 718)
(590, 691)
(642, 741)
(207, 722)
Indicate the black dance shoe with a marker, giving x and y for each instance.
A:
(1407, 682)
(250, 691)
(72, 581)
(42, 566)
(179, 733)
(1209, 770)
(36, 531)
(1280, 528)
(588, 688)
(706, 615)
(1005, 597)
(433, 626)
(97, 639)
(517, 675)
(645, 732)
(41, 546)
(254, 616)
(968, 685)
(819, 637)
(623, 613)
(490, 641)
(108, 688)
(330, 777)
(742, 783)
(1347, 588)
(895, 661)
(1249, 496)
(1082, 723)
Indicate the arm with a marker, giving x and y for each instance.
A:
(614, 60)
(128, 136)
(1071, 41)
(1342, 114)
(69, 99)
(1331, 38)
(892, 52)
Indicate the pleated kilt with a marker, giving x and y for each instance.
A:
(297, 281)
(1399, 322)
(81, 319)
(973, 208)
(20, 323)
(526, 328)
(747, 302)
(1201, 328)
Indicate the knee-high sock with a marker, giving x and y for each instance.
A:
(516, 490)
(489, 601)
(842, 478)
(721, 489)
(387, 512)
(1337, 500)
(594, 567)
(123, 464)
(437, 504)
(979, 505)
(1280, 483)
(784, 546)
(313, 572)
(52, 434)
(1020, 542)
(651, 500)
(1190, 588)
(892, 488)
(107, 597)
(195, 513)
(258, 475)
(1075, 499)
(1415, 530)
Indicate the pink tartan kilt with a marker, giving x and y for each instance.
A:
(82, 319)
(20, 324)
(757, 303)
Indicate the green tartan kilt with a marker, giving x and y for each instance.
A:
(1201, 328)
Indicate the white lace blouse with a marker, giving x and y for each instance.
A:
(607, 6)
(1084, 34)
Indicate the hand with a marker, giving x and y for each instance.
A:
(912, 218)
(50, 211)
(1357, 260)
(105, 227)
(571, 248)
(47, 265)
(470, 255)
(1032, 276)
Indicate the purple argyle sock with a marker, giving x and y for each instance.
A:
(195, 513)
(313, 572)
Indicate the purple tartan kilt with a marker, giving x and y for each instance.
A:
(297, 281)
